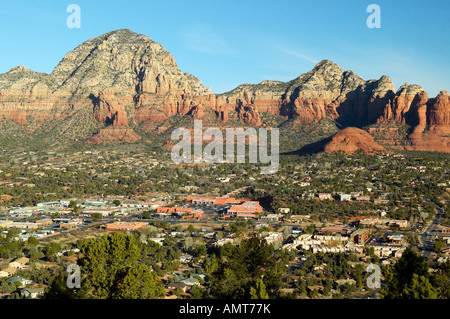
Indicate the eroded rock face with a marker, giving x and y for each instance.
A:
(433, 128)
(116, 71)
(325, 91)
(122, 62)
(126, 78)
(197, 85)
(110, 109)
(439, 111)
(406, 102)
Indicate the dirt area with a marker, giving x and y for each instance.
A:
(74, 236)
(200, 226)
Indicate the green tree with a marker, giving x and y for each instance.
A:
(146, 215)
(5, 288)
(72, 204)
(110, 270)
(420, 288)
(259, 291)
(328, 286)
(439, 244)
(197, 292)
(96, 217)
(301, 287)
(403, 279)
(116, 202)
(242, 266)
(441, 280)
(51, 249)
(58, 288)
(200, 250)
(32, 241)
(211, 264)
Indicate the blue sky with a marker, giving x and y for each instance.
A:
(227, 42)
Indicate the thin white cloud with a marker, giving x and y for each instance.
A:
(297, 54)
(203, 39)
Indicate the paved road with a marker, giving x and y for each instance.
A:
(426, 238)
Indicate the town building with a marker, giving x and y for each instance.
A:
(361, 236)
(19, 263)
(33, 293)
(324, 196)
(345, 197)
(249, 209)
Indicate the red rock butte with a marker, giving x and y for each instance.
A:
(353, 139)
(122, 85)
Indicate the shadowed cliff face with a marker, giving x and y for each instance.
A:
(127, 80)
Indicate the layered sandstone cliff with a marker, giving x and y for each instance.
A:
(126, 80)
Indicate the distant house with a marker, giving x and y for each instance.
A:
(361, 236)
(273, 237)
(345, 197)
(185, 258)
(19, 263)
(396, 239)
(5, 223)
(191, 281)
(24, 225)
(49, 204)
(44, 222)
(194, 214)
(340, 282)
(355, 194)
(333, 230)
(248, 209)
(8, 271)
(271, 217)
(319, 288)
(32, 292)
(213, 200)
(22, 280)
(5, 198)
(103, 211)
(304, 184)
(158, 240)
(224, 241)
(323, 196)
(154, 205)
(69, 225)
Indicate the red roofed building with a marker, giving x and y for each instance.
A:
(194, 214)
(213, 200)
(248, 209)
